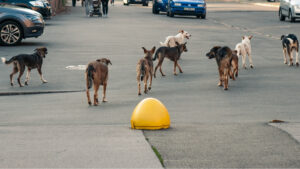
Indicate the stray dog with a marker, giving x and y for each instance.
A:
(179, 38)
(290, 43)
(31, 61)
(244, 48)
(173, 53)
(97, 73)
(144, 70)
(223, 57)
(235, 64)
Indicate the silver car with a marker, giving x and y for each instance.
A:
(290, 9)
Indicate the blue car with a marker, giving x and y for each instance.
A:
(180, 7)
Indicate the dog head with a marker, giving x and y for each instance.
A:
(282, 36)
(105, 61)
(185, 34)
(41, 51)
(247, 38)
(213, 52)
(149, 53)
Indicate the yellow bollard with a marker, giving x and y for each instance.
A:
(150, 114)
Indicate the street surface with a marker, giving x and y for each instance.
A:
(210, 128)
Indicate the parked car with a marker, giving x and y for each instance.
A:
(180, 7)
(144, 2)
(18, 23)
(290, 9)
(41, 6)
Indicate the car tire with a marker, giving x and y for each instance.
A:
(291, 17)
(171, 14)
(203, 16)
(154, 10)
(281, 16)
(10, 33)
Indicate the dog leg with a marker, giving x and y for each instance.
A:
(231, 74)
(161, 71)
(22, 69)
(96, 88)
(220, 78)
(41, 75)
(180, 70)
(145, 84)
(139, 83)
(284, 56)
(225, 80)
(244, 61)
(104, 92)
(88, 96)
(297, 59)
(27, 76)
(150, 84)
(290, 53)
(15, 70)
(175, 64)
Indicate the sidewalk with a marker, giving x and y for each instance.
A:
(292, 128)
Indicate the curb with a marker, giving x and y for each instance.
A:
(36, 92)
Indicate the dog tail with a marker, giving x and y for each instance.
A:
(89, 76)
(142, 69)
(7, 61)
(163, 44)
(156, 54)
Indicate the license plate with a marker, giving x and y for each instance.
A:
(189, 9)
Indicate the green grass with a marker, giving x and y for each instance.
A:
(158, 156)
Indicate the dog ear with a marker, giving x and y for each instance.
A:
(153, 49)
(181, 31)
(243, 37)
(177, 44)
(40, 52)
(234, 51)
(108, 62)
(250, 37)
(145, 50)
(282, 36)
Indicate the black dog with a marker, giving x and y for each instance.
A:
(173, 53)
(290, 43)
(32, 61)
(223, 56)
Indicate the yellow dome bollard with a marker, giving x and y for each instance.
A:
(150, 114)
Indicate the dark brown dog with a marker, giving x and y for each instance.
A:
(144, 70)
(31, 61)
(97, 73)
(172, 53)
(235, 64)
(223, 56)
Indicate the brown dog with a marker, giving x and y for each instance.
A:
(223, 56)
(97, 73)
(31, 61)
(173, 53)
(144, 70)
(234, 65)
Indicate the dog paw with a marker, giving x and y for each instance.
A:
(181, 71)
(12, 84)
(175, 74)
(149, 88)
(90, 103)
(285, 62)
(297, 64)
(95, 104)
(139, 94)
(45, 81)
(26, 83)
(251, 66)
(291, 64)
(104, 100)
(146, 92)
(163, 75)
(225, 88)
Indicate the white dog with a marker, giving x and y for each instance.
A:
(244, 48)
(179, 38)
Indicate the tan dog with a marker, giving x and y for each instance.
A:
(31, 61)
(144, 70)
(97, 73)
(244, 49)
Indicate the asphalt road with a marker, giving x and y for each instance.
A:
(210, 127)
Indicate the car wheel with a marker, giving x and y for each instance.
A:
(171, 14)
(291, 17)
(10, 33)
(281, 16)
(203, 16)
(154, 10)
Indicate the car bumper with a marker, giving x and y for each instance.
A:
(137, 1)
(45, 11)
(35, 30)
(188, 10)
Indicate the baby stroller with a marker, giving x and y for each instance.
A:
(92, 7)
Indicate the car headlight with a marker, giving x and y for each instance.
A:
(200, 5)
(33, 17)
(177, 4)
(37, 3)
